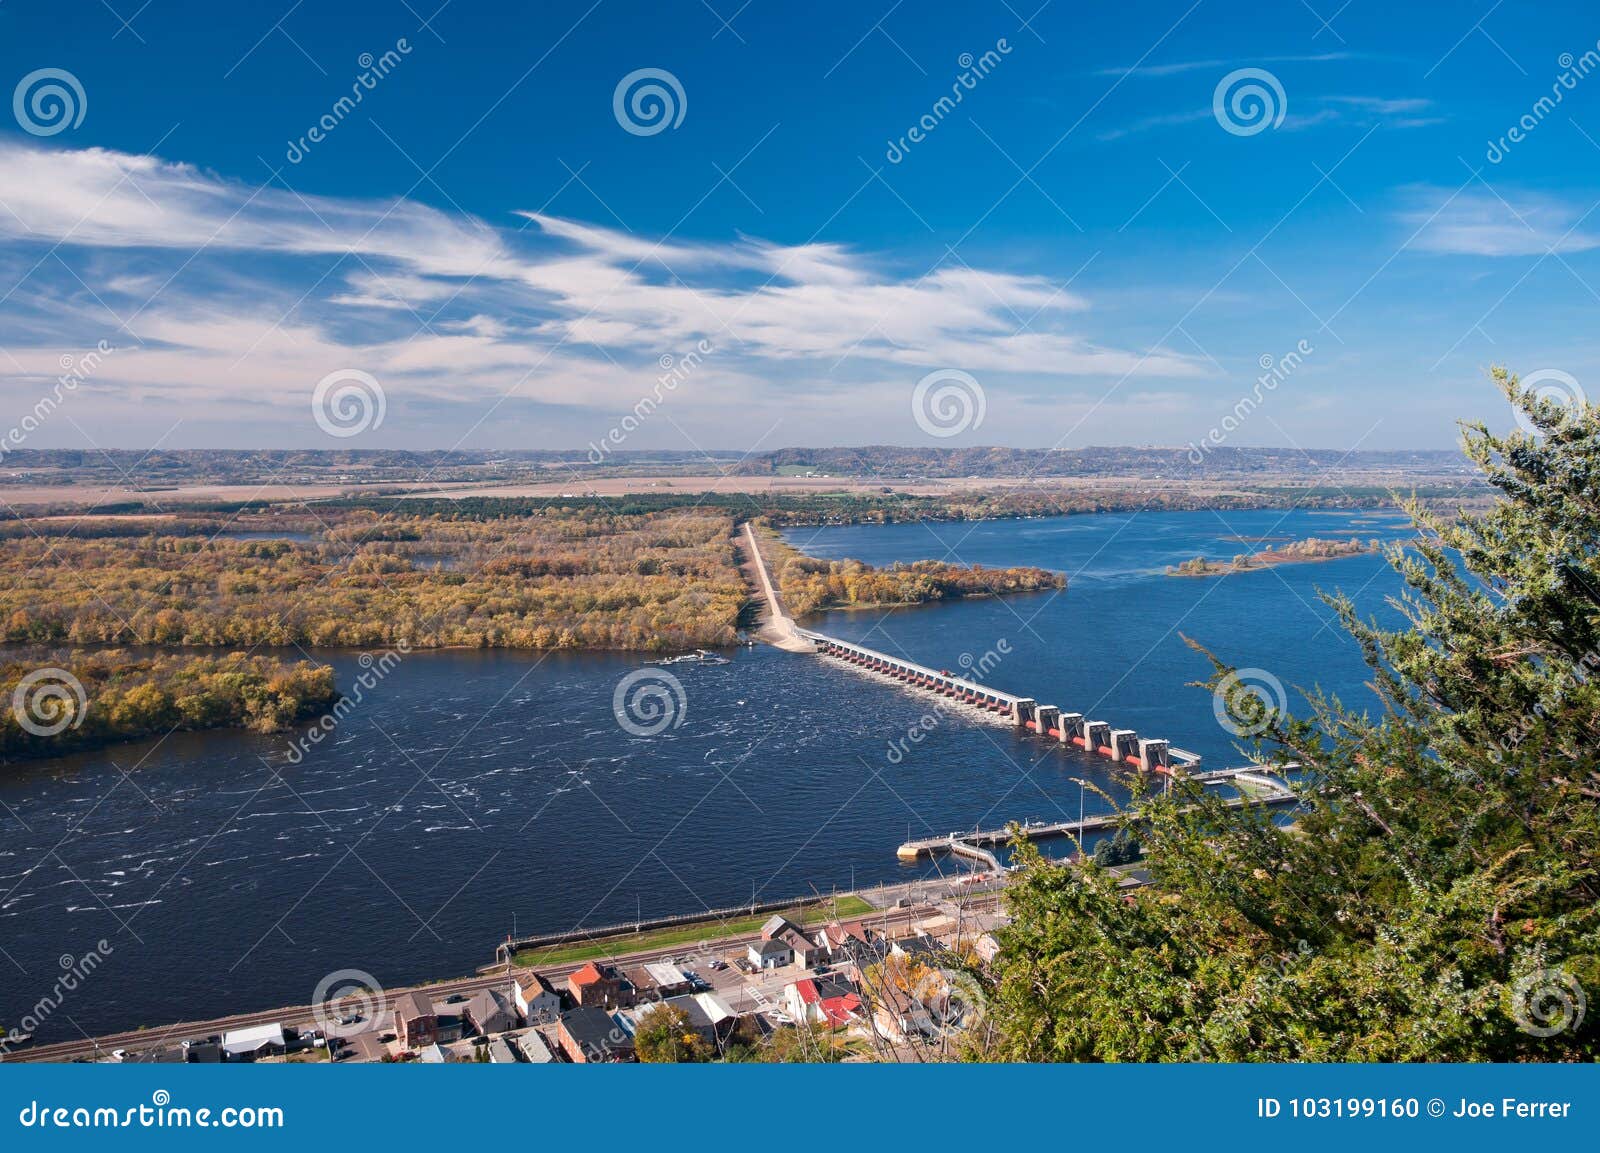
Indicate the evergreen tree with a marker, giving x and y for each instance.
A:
(1437, 896)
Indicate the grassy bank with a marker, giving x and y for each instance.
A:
(848, 906)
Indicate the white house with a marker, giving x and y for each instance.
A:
(536, 1000)
(771, 954)
(248, 1044)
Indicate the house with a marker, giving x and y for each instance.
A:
(987, 947)
(532, 1047)
(706, 1013)
(779, 928)
(591, 1035)
(598, 985)
(248, 1044)
(416, 1025)
(768, 954)
(203, 1052)
(918, 948)
(844, 938)
(536, 999)
(825, 1000)
(432, 1054)
(500, 1053)
(490, 1011)
(657, 980)
(899, 1016)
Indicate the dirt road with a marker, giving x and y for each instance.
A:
(777, 627)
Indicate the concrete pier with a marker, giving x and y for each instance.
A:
(1048, 721)
(1259, 789)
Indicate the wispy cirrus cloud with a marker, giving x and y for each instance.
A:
(1179, 67)
(1510, 223)
(223, 292)
(1303, 113)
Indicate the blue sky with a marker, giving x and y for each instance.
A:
(1081, 235)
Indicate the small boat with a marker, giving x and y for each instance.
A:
(698, 657)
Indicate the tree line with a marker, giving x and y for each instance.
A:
(62, 702)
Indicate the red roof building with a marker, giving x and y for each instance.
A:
(828, 1000)
(597, 984)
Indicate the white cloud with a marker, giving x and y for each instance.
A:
(1481, 223)
(1179, 67)
(444, 308)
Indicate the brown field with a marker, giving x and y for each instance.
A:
(23, 496)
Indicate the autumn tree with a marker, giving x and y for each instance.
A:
(666, 1036)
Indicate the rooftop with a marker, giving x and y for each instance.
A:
(594, 1030)
(411, 1006)
(252, 1039)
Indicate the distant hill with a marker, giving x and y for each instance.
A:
(889, 462)
(896, 463)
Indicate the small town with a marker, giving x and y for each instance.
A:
(899, 980)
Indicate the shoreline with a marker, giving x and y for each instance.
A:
(1231, 569)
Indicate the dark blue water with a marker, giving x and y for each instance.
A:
(1112, 645)
(472, 793)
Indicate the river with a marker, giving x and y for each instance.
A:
(471, 794)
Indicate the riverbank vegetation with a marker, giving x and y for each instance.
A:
(1308, 551)
(1438, 897)
(352, 577)
(808, 584)
(61, 702)
(480, 575)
